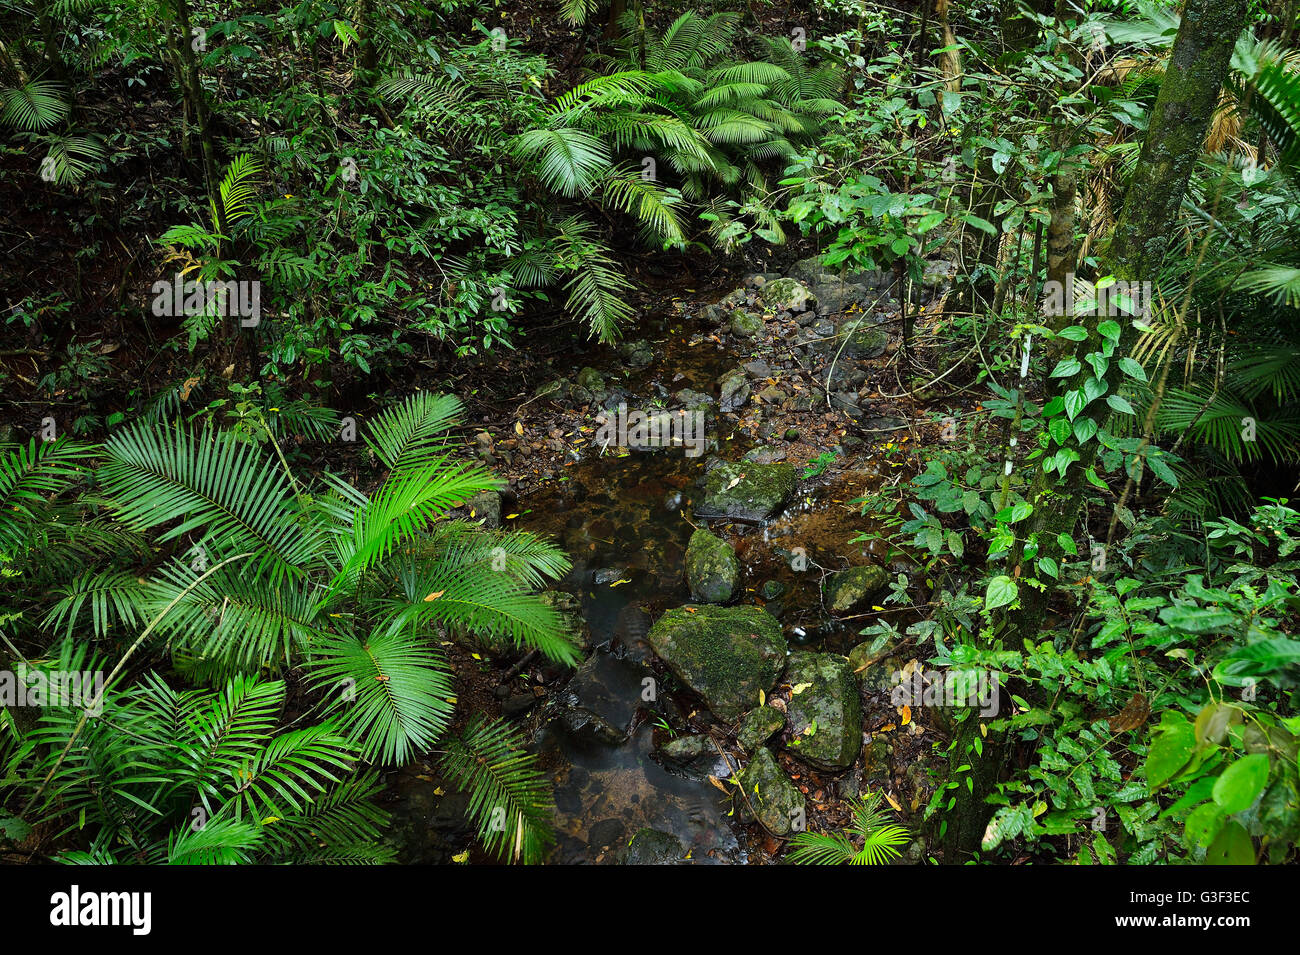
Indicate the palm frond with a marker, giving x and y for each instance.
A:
(510, 801)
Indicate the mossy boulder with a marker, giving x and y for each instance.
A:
(866, 342)
(758, 725)
(787, 295)
(852, 590)
(746, 324)
(685, 748)
(770, 795)
(651, 847)
(712, 568)
(486, 509)
(592, 380)
(735, 390)
(728, 655)
(748, 491)
(825, 710)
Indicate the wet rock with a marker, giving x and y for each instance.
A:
(712, 568)
(811, 270)
(693, 400)
(757, 369)
(617, 396)
(748, 491)
(556, 389)
(883, 423)
(772, 395)
(772, 589)
(486, 508)
(874, 280)
(569, 608)
(735, 390)
(607, 832)
(787, 295)
(728, 655)
(764, 455)
(587, 726)
(686, 747)
(592, 380)
(513, 707)
(851, 591)
(868, 652)
(878, 677)
(835, 296)
(758, 725)
(637, 354)
(746, 324)
(866, 342)
(792, 434)
(591, 711)
(850, 403)
(607, 575)
(846, 376)
(768, 793)
(826, 716)
(651, 847)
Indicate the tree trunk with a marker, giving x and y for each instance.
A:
(193, 87)
(1179, 120)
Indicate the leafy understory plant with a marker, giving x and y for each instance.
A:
(259, 572)
(869, 839)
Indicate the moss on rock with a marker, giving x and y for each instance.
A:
(748, 491)
(825, 712)
(712, 568)
(728, 655)
(770, 795)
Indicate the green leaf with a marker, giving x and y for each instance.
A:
(1170, 750)
(1232, 847)
(1001, 591)
(1133, 369)
(1074, 333)
(1109, 328)
(1065, 368)
(1067, 544)
(1074, 403)
(1084, 430)
(982, 224)
(1241, 783)
(1120, 405)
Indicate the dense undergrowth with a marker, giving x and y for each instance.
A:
(1103, 518)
